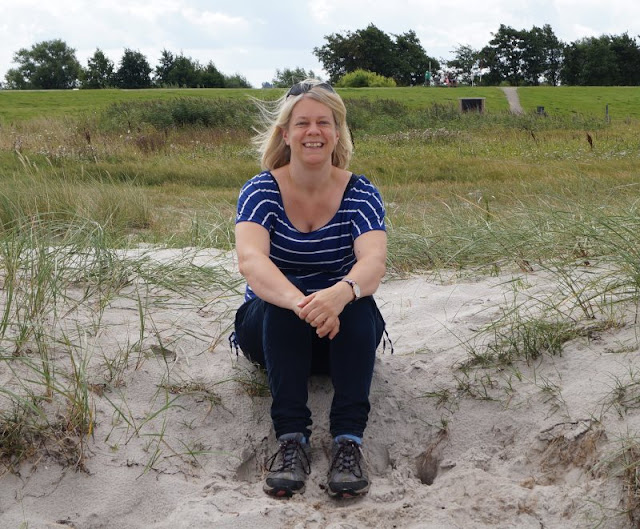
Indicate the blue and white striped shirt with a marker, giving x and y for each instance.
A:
(324, 256)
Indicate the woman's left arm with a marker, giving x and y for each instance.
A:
(322, 309)
(371, 261)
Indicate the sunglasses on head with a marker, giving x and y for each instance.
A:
(303, 88)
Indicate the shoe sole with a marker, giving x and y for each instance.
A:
(347, 493)
(280, 492)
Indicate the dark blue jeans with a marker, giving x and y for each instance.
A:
(290, 350)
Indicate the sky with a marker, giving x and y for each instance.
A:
(254, 38)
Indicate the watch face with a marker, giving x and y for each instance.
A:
(356, 289)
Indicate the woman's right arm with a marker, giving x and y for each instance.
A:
(264, 277)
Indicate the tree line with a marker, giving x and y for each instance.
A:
(531, 57)
(53, 65)
(514, 57)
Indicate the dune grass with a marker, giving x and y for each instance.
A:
(61, 276)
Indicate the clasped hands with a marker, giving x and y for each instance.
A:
(322, 309)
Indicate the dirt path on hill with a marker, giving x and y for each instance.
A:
(514, 101)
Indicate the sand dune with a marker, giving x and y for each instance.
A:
(532, 445)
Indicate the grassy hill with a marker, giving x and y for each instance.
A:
(623, 101)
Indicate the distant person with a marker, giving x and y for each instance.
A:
(312, 246)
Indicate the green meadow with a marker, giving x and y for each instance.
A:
(175, 160)
(16, 105)
(624, 102)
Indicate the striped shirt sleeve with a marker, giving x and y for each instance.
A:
(259, 202)
(366, 207)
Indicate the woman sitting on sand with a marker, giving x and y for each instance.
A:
(311, 243)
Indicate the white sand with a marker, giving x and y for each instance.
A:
(539, 454)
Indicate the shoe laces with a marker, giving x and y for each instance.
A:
(347, 458)
(290, 452)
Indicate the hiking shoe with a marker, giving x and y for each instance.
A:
(289, 467)
(347, 474)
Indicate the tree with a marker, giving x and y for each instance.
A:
(402, 58)
(287, 77)
(337, 55)
(212, 77)
(185, 73)
(599, 67)
(555, 55)
(236, 81)
(99, 71)
(602, 61)
(367, 49)
(627, 54)
(574, 58)
(165, 64)
(542, 56)
(504, 56)
(134, 70)
(47, 65)
(411, 60)
(376, 51)
(523, 56)
(179, 71)
(465, 64)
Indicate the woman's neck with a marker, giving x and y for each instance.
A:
(310, 177)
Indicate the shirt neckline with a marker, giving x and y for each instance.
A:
(352, 179)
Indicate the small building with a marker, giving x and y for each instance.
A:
(472, 104)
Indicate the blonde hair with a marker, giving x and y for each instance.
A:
(275, 117)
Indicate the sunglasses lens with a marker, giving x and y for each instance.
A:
(298, 88)
(327, 87)
(303, 88)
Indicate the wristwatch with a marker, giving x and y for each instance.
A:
(355, 287)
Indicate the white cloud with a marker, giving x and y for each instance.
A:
(139, 9)
(213, 20)
(321, 11)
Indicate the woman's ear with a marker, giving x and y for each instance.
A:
(285, 135)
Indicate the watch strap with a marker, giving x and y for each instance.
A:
(354, 288)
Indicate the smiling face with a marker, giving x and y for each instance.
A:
(312, 133)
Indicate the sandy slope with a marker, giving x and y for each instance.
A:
(525, 447)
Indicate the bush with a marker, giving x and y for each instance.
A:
(180, 112)
(376, 115)
(363, 78)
